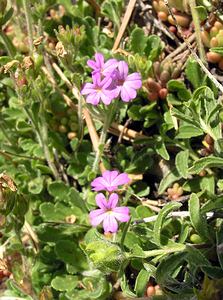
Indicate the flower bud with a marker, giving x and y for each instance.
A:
(214, 42)
(182, 19)
(213, 57)
(164, 77)
(163, 93)
(205, 38)
(213, 31)
(218, 25)
(153, 85)
(162, 16)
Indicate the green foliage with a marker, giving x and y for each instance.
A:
(171, 148)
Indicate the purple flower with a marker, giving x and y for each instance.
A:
(98, 90)
(126, 85)
(99, 65)
(109, 181)
(109, 213)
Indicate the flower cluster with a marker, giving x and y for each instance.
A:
(108, 211)
(110, 80)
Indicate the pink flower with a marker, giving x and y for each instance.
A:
(126, 85)
(99, 65)
(109, 181)
(98, 90)
(109, 213)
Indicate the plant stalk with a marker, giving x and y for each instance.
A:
(8, 44)
(197, 28)
(28, 16)
(103, 136)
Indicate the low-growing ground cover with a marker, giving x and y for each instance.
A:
(111, 150)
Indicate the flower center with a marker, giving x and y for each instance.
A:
(120, 82)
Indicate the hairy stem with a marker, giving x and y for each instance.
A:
(197, 28)
(102, 140)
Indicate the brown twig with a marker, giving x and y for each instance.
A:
(124, 24)
(122, 132)
(129, 133)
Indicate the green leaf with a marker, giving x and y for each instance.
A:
(181, 163)
(141, 282)
(202, 13)
(206, 162)
(70, 253)
(168, 266)
(112, 9)
(58, 189)
(196, 258)
(194, 73)
(138, 40)
(160, 219)
(198, 220)
(154, 47)
(161, 149)
(213, 204)
(219, 237)
(218, 50)
(171, 177)
(35, 186)
(7, 16)
(188, 131)
(64, 282)
(179, 88)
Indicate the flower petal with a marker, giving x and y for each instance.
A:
(106, 82)
(123, 69)
(108, 175)
(91, 63)
(99, 184)
(99, 60)
(106, 99)
(101, 201)
(109, 66)
(134, 81)
(87, 89)
(93, 98)
(127, 93)
(97, 216)
(112, 201)
(121, 179)
(96, 77)
(121, 213)
(110, 224)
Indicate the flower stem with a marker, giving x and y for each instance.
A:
(102, 140)
(28, 23)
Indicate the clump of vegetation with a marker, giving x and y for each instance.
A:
(111, 150)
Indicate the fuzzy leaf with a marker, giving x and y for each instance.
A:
(160, 219)
(181, 163)
(198, 220)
